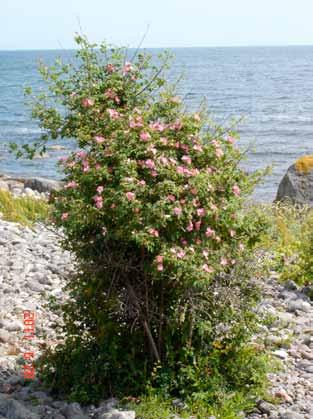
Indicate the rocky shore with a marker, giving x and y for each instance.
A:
(33, 267)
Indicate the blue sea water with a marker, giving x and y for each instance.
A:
(271, 88)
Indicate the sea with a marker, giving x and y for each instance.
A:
(267, 90)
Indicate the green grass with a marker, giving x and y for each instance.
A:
(23, 210)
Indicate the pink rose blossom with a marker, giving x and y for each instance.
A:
(232, 233)
(207, 268)
(110, 68)
(110, 94)
(164, 140)
(219, 153)
(159, 259)
(201, 212)
(154, 173)
(186, 159)
(177, 211)
(153, 232)
(113, 114)
(171, 198)
(198, 241)
(224, 262)
(145, 136)
(98, 201)
(164, 161)
(100, 189)
(198, 225)
(160, 267)
(150, 164)
(190, 227)
(180, 254)
(197, 147)
(236, 190)
(87, 103)
(142, 183)
(184, 242)
(99, 139)
(205, 254)
(130, 196)
(180, 170)
(230, 139)
(64, 216)
(127, 68)
(136, 122)
(209, 232)
(157, 126)
(197, 117)
(71, 185)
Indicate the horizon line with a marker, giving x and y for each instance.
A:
(165, 47)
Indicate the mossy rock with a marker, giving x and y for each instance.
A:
(304, 164)
(297, 184)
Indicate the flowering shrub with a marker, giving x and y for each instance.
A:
(152, 208)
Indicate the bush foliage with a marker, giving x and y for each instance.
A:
(153, 211)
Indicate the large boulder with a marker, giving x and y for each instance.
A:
(42, 184)
(297, 184)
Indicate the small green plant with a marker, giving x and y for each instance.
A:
(288, 241)
(23, 210)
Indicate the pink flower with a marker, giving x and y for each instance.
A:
(184, 242)
(87, 103)
(180, 254)
(99, 139)
(81, 154)
(113, 206)
(219, 153)
(201, 212)
(209, 232)
(150, 164)
(127, 68)
(177, 211)
(64, 216)
(110, 94)
(100, 189)
(153, 232)
(136, 122)
(152, 150)
(190, 227)
(159, 259)
(142, 183)
(97, 166)
(154, 173)
(232, 233)
(230, 139)
(110, 68)
(160, 267)
(180, 170)
(186, 159)
(241, 246)
(207, 268)
(193, 191)
(171, 198)
(198, 241)
(177, 125)
(236, 190)
(164, 161)
(113, 114)
(98, 201)
(197, 117)
(224, 262)
(197, 147)
(130, 196)
(86, 166)
(157, 126)
(184, 147)
(205, 254)
(71, 185)
(164, 140)
(198, 225)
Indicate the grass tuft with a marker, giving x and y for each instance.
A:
(23, 210)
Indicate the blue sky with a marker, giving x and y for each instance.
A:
(40, 24)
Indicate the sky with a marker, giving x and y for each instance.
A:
(42, 24)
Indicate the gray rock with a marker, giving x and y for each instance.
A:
(11, 325)
(5, 336)
(266, 407)
(12, 409)
(291, 415)
(291, 285)
(280, 353)
(42, 184)
(118, 414)
(73, 411)
(296, 187)
(301, 305)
